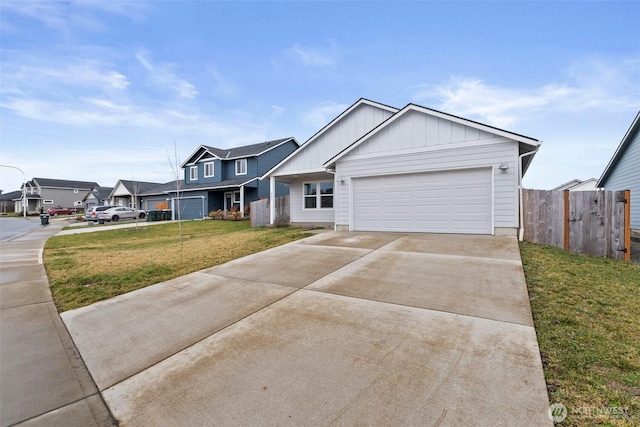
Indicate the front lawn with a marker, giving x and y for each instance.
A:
(89, 267)
(587, 317)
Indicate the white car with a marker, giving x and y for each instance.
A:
(116, 214)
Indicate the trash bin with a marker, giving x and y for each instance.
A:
(166, 215)
(44, 219)
(100, 221)
(153, 216)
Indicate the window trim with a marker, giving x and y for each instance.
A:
(318, 196)
(191, 173)
(213, 169)
(241, 162)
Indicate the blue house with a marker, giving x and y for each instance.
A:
(216, 178)
(623, 170)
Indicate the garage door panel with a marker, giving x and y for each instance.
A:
(444, 202)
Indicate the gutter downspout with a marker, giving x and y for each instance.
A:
(520, 174)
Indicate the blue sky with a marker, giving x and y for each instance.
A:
(105, 90)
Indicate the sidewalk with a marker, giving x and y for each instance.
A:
(43, 380)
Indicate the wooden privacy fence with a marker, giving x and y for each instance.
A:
(595, 223)
(260, 210)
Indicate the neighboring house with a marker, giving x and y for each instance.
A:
(226, 179)
(98, 196)
(7, 203)
(127, 193)
(623, 170)
(578, 185)
(45, 193)
(377, 168)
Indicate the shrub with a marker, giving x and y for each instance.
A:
(282, 221)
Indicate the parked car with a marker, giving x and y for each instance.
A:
(59, 210)
(93, 212)
(116, 214)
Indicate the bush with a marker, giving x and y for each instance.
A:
(282, 221)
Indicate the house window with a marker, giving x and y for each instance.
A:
(318, 195)
(241, 167)
(208, 169)
(193, 173)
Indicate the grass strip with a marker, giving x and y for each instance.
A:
(587, 317)
(89, 267)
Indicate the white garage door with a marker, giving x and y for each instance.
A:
(436, 202)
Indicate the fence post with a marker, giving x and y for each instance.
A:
(627, 225)
(566, 221)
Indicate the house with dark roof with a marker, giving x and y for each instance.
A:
(98, 196)
(44, 193)
(127, 192)
(217, 178)
(623, 170)
(7, 203)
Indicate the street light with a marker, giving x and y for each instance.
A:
(24, 188)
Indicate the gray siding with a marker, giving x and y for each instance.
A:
(62, 197)
(626, 176)
(499, 150)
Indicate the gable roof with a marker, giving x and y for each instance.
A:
(135, 187)
(11, 196)
(63, 183)
(532, 142)
(237, 152)
(322, 131)
(622, 147)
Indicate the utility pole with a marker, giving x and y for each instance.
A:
(24, 188)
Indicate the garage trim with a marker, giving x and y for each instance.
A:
(491, 169)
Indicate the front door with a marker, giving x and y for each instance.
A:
(231, 199)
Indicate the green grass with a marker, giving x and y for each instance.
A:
(587, 317)
(89, 267)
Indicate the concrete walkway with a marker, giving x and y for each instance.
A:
(335, 329)
(43, 380)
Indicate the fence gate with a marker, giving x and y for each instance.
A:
(595, 223)
(260, 210)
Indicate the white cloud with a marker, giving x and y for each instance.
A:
(163, 76)
(317, 58)
(277, 111)
(322, 114)
(591, 84)
(67, 16)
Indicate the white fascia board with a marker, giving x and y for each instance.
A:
(326, 128)
(614, 158)
(291, 173)
(189, 162)
(412, 107)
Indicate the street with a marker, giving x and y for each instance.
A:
(11, 227)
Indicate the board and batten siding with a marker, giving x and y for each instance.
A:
(499, 150)
(626, 176)
(335, 139)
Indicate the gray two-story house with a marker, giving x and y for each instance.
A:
(225, 179)
(44, 193)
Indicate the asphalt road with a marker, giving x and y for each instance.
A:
(11, 227)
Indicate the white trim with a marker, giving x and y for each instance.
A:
(246, 166)
(412, 107)
(622, 144)
(486, 166)
(318, 195)
(213, 169)
(434, 148)
(191, 169)
(327, 127)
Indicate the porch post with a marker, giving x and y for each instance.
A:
(272, 199)
(242, 200)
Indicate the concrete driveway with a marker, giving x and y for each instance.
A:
(335, 329)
